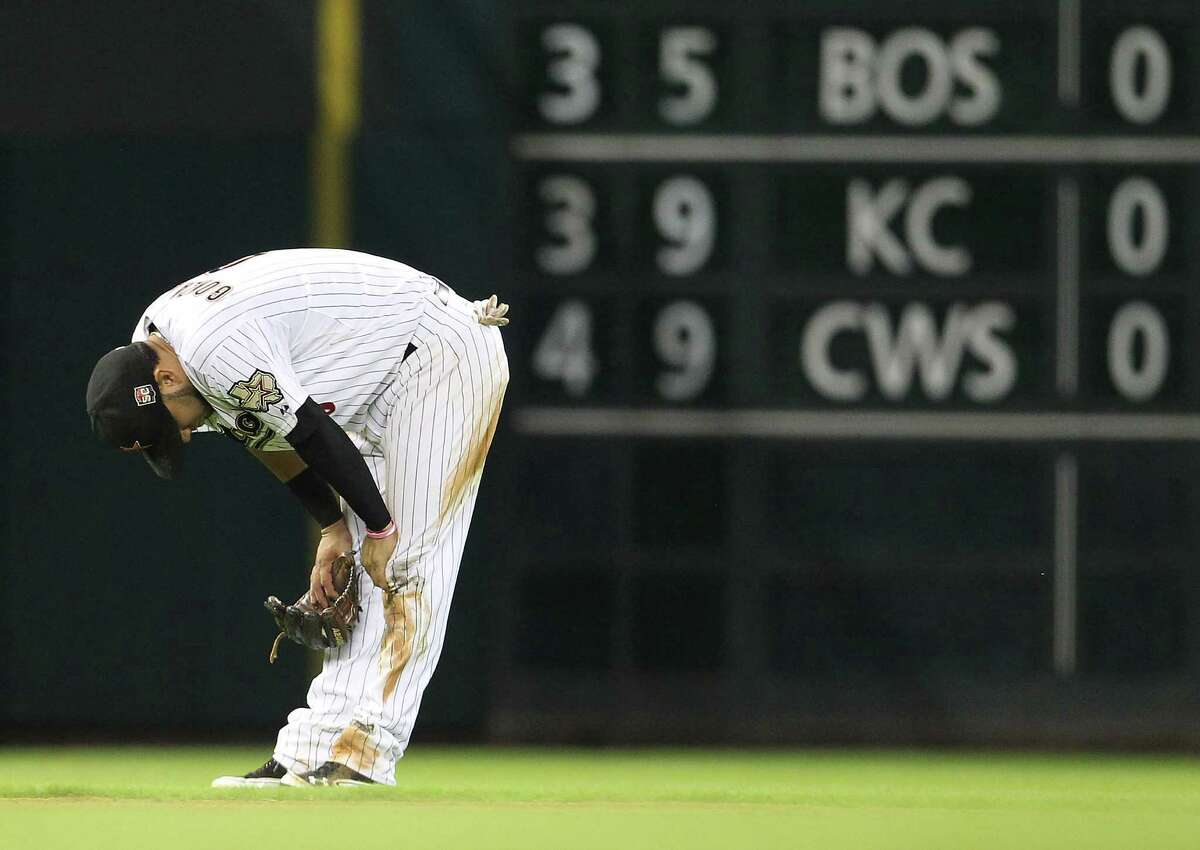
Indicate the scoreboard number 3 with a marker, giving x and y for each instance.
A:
(571, 208)
(575, 56)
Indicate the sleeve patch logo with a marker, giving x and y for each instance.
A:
(258, 392)
(144, 395)
(247, 424)
(248, 431)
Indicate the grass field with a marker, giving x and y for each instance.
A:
(135, 798)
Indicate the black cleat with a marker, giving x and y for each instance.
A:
(267, 776)
(330, 773)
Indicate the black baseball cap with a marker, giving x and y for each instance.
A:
(127, 409)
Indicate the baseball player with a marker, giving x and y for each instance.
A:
(372, 391)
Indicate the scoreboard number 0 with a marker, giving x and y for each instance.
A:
(1140, 51)
(1134, 323)
(1138, 254)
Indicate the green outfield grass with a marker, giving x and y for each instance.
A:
(141, 797)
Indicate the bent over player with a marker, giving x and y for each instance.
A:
(346, 375)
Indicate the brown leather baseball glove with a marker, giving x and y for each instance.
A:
(320, 629)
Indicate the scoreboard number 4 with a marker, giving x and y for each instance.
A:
(564, 352)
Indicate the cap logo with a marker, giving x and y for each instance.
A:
(144, 395)
(136, 447)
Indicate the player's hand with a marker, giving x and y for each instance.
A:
(335, 539)
(376, 554)
(491, 312)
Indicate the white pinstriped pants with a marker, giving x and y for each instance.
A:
(441, 414)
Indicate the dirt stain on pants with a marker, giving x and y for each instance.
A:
(354, 747)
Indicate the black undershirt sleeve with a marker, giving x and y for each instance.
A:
(317, 497)
(324, 446)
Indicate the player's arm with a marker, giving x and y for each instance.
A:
(322, 505)
(256, 374)
(324, 446)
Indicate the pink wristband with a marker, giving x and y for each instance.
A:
(387, 531)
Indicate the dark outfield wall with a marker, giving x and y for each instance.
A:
(735, 590)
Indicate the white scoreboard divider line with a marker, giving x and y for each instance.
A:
(880, 425)
(1069, 44)
(1067, 326)
(945, 150)
(1066, 466)
(1066, 560)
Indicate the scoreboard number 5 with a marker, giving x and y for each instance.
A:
(679, 64)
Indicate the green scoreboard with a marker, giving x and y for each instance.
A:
(855, 348)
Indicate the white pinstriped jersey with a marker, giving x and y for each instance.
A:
(260, 335)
